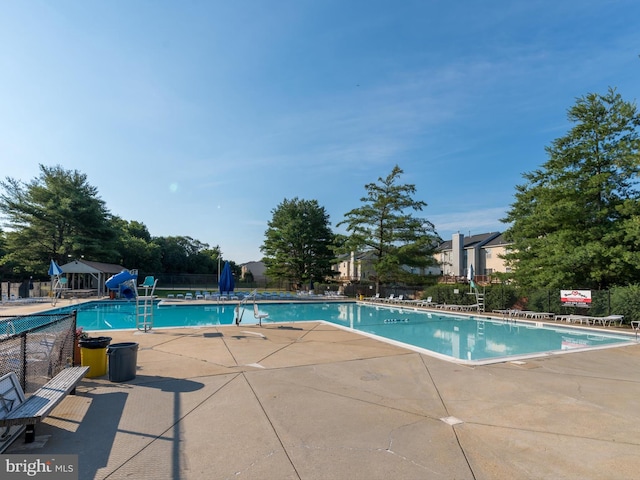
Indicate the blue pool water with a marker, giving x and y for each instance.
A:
(455, 337)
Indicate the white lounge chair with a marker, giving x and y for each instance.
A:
(427, 303)
(608, 320)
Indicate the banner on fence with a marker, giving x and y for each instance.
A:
(575, 298)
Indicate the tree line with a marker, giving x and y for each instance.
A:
(59, 215)
(574, 222)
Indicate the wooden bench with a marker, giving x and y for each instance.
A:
(15, 410)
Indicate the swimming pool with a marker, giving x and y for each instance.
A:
(465, 339)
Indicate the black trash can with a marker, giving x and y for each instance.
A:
(123, 359)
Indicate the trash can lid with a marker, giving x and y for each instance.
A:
(95, 342)
(116, 346)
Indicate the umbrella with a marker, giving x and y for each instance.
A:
(470, 277)
(54, 269)
(226, 283)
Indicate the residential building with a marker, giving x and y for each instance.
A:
(483, 252)
(494, 251)
(454, 257)
(358, 267)
(257, 270)
(354, 268)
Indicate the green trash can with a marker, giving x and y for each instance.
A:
(93, 354)
(123, 359)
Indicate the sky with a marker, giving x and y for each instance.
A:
(199, 118)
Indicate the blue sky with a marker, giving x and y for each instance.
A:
(198, 118)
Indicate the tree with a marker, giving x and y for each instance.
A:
(385, 226)
(297, 245)
(134, 246)
(185, 255)
(57, 215)
(574, 222)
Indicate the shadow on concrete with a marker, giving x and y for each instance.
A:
(95, 436)
(212, 335)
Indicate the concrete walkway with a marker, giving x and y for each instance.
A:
(311, 401)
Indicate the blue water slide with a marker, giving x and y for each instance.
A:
(124, 282)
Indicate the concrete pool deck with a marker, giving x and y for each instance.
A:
(312, 401)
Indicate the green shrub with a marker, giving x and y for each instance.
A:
(499, 297)
(445, 293)
(626, 301)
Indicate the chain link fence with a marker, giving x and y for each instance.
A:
(37, 347)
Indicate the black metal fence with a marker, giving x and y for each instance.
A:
(36, 347)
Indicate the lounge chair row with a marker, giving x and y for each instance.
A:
(581, 319)
(13, 300)
(423, 303)
(459, 308)
(525, 314)
(391, 299)
(609, 320)
(216, 296)
(198, 295)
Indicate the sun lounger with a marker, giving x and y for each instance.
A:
(427, 303)
(533, 314)
(608, 320)
(572, 318)
(468, 308)
(448, 306)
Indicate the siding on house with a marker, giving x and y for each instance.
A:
(482, 251)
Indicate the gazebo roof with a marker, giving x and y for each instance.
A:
(86, 266)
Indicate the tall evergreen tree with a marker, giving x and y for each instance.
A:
(297, 245)
(574, 223)
(386, 227)
(56, 215)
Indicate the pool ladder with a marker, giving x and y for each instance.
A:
(480, 301)
(480, 330)
(239, 310)
(144, 305)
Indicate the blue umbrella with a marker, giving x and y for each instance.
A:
(54, 269)
(226, 283)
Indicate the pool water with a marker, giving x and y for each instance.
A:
(460, 338)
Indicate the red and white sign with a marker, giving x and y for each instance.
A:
(576, 298)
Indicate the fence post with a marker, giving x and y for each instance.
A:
(23, 363)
